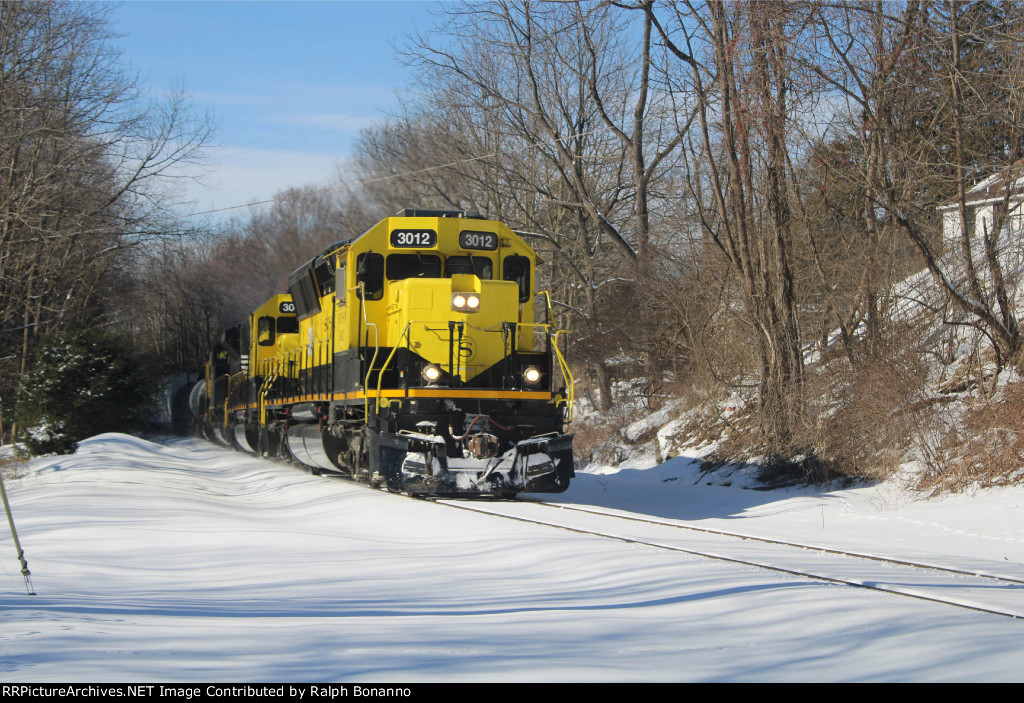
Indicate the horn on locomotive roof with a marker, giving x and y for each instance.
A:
(419, 212)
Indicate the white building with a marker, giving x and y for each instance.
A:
(983, 201)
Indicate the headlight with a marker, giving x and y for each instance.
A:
(465, 302)
(531, 375)
(431, 373)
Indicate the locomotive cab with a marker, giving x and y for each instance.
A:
(269, 334)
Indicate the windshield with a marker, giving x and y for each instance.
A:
(479, 265)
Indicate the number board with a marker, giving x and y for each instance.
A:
(478, 240)
(286, 308)
(413, 238)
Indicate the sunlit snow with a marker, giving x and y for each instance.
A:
(182, 561)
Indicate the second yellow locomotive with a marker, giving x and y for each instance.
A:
(408, 356)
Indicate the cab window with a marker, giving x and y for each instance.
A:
(265, 331)
(287, 325)
(324, 274)
(479, 265)
(517, 268)
(370, 273)
(303, 292)
(402, 266)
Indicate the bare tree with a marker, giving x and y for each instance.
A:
(740, 175)
(937, 97)
(86, 166)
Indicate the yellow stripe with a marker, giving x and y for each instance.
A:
(411, 393)
(291, 400)
(447, 393)
(236, 408)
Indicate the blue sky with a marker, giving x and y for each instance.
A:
(290, 84)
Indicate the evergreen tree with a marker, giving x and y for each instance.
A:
(81, 384)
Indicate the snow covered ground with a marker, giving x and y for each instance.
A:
(182, 561)
(981, 530)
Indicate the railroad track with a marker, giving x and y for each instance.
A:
(797, 545)
(979, 591)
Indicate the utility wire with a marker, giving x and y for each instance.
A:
(289, 137)
(362, 181)
(393, 176)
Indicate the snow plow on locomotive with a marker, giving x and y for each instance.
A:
(407, 357)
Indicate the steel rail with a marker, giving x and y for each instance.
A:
(872, 586)
(783, 543)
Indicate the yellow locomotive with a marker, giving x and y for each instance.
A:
(407, 357)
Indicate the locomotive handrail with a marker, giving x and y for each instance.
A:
(380, 374)
(562, 363)
(376, 348)
(570, 400)
(405, 334)
(268, 382)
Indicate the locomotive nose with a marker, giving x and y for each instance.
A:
(456, 326)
